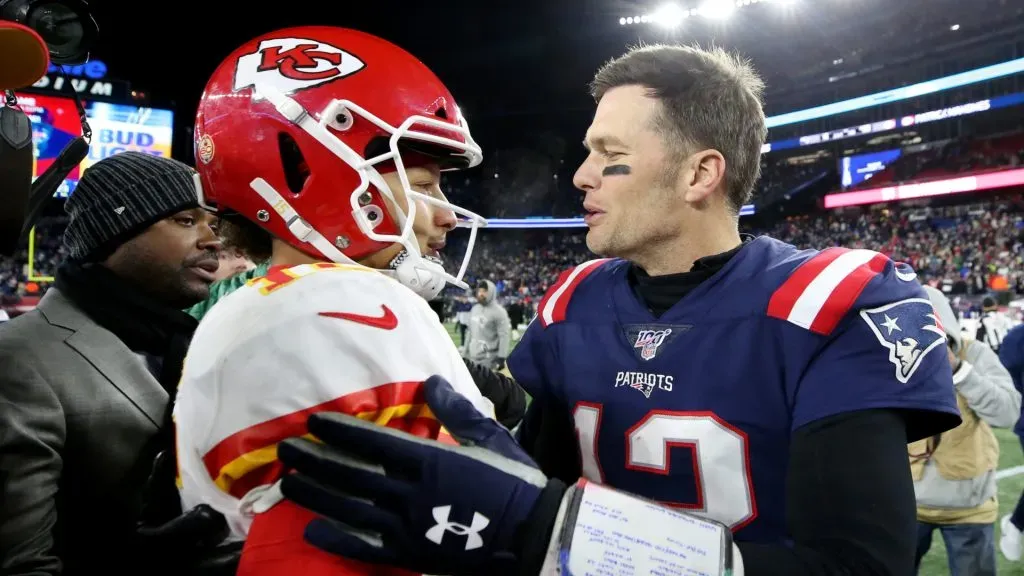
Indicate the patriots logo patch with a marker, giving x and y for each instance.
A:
(909, 330)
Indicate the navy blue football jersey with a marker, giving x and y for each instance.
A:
(1011, 354)
(695, 408)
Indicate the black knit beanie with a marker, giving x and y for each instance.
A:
(120, 196)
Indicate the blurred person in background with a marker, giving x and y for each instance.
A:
(955, 472)
(993, 324)
(87, 376)
(236, 269)
(232, 263)
(487, 338)
(463, 304)
(1011, 354)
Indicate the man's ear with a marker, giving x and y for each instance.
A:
(704, 173)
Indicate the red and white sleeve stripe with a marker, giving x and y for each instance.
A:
(553, 307)
(822, 290)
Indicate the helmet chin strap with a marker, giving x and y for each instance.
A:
(422, 275)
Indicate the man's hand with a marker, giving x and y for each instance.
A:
(189, 543)
(392, 498)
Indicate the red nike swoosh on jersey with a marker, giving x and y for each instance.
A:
(387, 321)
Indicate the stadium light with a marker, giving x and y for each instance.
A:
(668, 16)
(717, 9)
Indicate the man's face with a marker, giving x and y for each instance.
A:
(175, 260)
(481, 295)
(232, 262)
(628, 177)
(431, 223)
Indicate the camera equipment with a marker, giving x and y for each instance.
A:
(66, 26)
(68, 30)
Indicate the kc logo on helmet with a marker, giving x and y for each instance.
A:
(291, 64)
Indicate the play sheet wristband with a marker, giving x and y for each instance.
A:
(603, 532)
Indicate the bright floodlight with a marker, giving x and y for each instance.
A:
(629, 20)
(717, 9)
(668, 16)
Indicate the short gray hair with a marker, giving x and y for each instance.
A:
(710, 99)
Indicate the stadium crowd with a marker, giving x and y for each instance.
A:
(968, 249)
(952, 158)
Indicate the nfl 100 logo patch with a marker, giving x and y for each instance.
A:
(648, 340)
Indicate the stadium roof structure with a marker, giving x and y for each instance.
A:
(503, 58)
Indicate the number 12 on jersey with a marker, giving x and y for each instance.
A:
(721, 466)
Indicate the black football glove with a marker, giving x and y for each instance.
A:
(182, 543)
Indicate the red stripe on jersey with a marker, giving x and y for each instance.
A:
(293, 425)
(562, 292)
(562, 279)
(272, 471)
(266, 474)
(785, 296)
(846, 294)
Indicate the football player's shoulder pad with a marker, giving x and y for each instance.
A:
(817, 289)
(572, 285)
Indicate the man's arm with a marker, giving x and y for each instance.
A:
(850, 505)
(508, 397)
(504, 333)
(988, 387)
(850, 497)
(547, 434)
(871, 374)
(32, 436)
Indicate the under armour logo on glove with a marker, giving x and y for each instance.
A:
(471, 532)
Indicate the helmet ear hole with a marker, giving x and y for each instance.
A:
(296, 170)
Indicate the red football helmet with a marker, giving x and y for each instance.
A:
(295, 128)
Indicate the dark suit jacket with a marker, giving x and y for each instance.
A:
(78, 412)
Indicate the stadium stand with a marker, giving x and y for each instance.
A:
(968, 249)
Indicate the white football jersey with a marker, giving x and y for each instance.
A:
(310, 338)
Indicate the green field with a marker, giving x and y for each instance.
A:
(934, 564)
